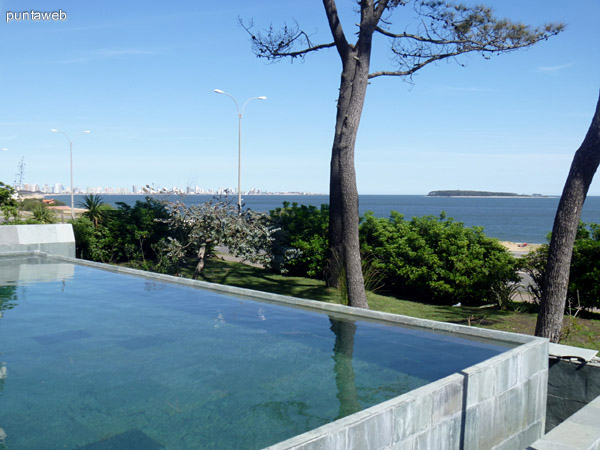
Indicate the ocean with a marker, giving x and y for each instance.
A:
(508, 219)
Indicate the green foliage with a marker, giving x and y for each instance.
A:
(436, 259)
(584, 276)
(503, 293)
(83, 229)
(123, 235)
(534, 265)
(372, 276)
(8, 204)
(300, 242)
(95, 209)
(8, 298)
(41, 213)
(93, 243)
(28, 204)
(7, 194)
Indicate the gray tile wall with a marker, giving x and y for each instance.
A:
(57, 239)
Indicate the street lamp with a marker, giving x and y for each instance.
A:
(71, 161)
(240, 114)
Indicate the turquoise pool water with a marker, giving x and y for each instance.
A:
(95, 360)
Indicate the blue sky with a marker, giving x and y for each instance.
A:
(140, 76)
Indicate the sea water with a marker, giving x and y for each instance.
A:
(508, 219)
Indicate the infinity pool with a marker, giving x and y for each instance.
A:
(91, 359)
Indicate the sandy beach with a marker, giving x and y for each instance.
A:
(519, 248)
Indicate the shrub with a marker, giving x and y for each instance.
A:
(8, 204)
(584, 276)
(42, 214)
(125, 234)
(137, 229)
(301, 242)
(436, 258)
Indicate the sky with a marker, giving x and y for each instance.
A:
(140, 75)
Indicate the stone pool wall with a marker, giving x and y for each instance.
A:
(499, 404)
(55, 239)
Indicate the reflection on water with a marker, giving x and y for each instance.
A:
(32, 270)
(345, 378)
(8, 298)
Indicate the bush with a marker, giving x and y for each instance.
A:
(301, 242)
(8, 204)
(42, 214)
(136, 230)
(125, 234)
(436, 258)
(584, 276)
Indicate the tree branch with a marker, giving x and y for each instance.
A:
(278, 44)
(335, 26)
(449, 30)
(409, 72)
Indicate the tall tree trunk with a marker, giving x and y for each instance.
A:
(336, 247)
(344, 245)
(556, 280)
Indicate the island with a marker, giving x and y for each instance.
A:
(459, 193)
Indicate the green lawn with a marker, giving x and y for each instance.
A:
(582, 332)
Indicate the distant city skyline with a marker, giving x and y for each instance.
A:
(60, 189)
(141, 78)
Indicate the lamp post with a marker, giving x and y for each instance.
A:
(240, 115)
(71, 164)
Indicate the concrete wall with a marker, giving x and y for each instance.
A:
(499, 404)
(571, 386)
(581, 431)
(57, 239)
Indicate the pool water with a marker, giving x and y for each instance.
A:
(91, 359)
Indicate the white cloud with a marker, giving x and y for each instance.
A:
(555, 68)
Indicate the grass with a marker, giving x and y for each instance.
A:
(579, 331)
